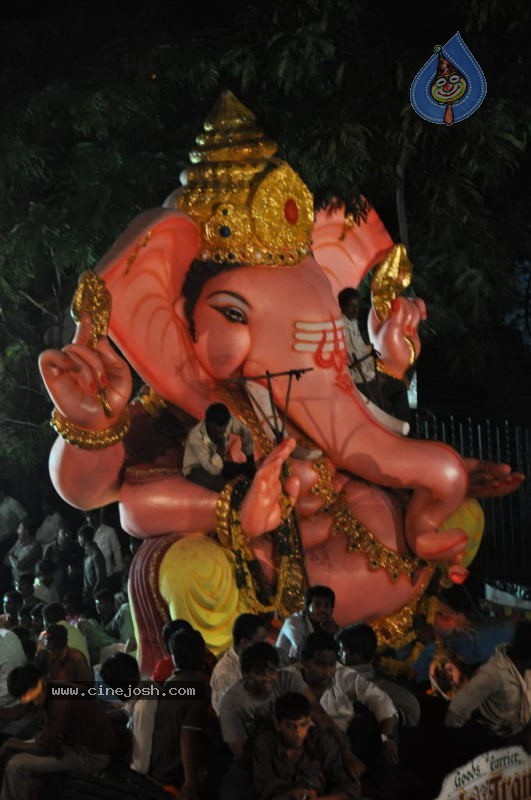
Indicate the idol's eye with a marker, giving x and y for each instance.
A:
(440, 82)
(453, 78)
(232, 314)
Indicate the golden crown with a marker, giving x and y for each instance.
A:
(251, 208)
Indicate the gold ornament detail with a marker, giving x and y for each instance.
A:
(152, 403)
(90, 439)
(392, 277)
(251, 208)
(359, 537)
(396, 630)
(380, 367)
(136, 250)
(94, 299)
(290, 582)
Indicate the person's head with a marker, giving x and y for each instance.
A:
(92, 518)
(104, 602)
(348, 302)
(56, 639)
(187, 649)
(357, 644)
(292, 719)
(248, 629)
(259, 665)
(24, 584)
(73, 604)
(520, 648)
(120, 670)
(320, 601)
(26, 530)
(64, 537)
(85, 537)
(217, 417)
(28, 685)
(319, 658)
(37, 622)
(53, 613)
(172, 627)
(12, 602)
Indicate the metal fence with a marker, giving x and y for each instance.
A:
(505, 552)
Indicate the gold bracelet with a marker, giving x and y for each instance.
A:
(87, 439)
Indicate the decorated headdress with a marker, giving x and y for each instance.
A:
(250, 207)
(444, 68)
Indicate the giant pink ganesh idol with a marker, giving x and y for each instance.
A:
(229, 294)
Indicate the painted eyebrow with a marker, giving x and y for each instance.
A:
(232, 294)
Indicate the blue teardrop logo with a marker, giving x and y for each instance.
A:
(450, 86)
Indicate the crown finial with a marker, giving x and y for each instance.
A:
(251, 208)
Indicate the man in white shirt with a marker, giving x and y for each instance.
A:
(360, 355)
(247, 629)
(106, 538)
(338, 688)
(11, 656)
(207, 447)
(317, 615)
(11, 514)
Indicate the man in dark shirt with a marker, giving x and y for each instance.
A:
(77, 735)
(297, 761)
(94, 572)
(178, 750)
(63, 663)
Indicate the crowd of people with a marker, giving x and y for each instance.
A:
(303, 711)
(299, 710)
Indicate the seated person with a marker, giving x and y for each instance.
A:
(63, 663)
(24, 585)
(246, 708)
(117, 622)
(357, 649)
(179, 749)
(100, 644)
(247, 629)
(297, 760)
(77, 736)
(12, 603)
(337, 689)
(44, 587)
(207, 446)
(55, 614)
(121, 671)
(494, 705)
(165, 666)
(11, 655)
(315, 616)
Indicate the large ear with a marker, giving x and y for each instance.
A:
(144, 272)
(346, 251)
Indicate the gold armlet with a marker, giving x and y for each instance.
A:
(380, 367)
(87, 439)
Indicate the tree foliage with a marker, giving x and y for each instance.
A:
(98, 117)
